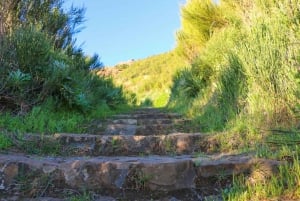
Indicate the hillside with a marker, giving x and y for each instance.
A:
(149, 79)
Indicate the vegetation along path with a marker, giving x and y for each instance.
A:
(144, 155)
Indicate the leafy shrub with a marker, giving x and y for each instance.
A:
(42, 72)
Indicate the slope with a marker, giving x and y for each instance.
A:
(148, 79)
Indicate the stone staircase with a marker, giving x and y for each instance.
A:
(144, 155)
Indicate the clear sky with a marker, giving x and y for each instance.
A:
(120, 30)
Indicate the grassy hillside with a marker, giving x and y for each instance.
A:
(149, 79)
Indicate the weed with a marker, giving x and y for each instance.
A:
(115, 143)
(281, 186)
(84, 197)
(198, 162)
(140, 180)
(169, 146)
(5, 141)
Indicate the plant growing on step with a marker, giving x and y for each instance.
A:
(32, 185)
(42, 146)
(141, 180)
(5, 141)
(86, 196)
(169, 146)
(138, 180)
(115, 143)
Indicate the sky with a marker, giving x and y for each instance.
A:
(121, 30)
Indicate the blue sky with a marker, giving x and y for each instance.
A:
(120, 30)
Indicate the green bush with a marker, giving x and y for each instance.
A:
(33, 49)
(40, 72)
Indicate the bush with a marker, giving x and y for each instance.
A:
(41, 72)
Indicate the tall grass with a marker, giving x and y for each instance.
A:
(259, 186)
(268, 56)
(253, 62)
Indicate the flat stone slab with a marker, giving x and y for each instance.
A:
(120, 129)
(149, 127)
(142, 122)
(129, 145)
(153, 173)
(148, 115)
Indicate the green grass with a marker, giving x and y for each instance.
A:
(48, 119)
(246, 71)
(281, 186)
(149, 79)
(83, 197)
(5, 141)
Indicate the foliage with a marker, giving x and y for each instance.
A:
(47, 118)
(5, 141)
(48, 16)
(200, 19)
(39, 61)
(252, 85)
(251, 61)
(282, 186)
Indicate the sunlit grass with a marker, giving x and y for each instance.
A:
(150, 79)
(284, 185)
(47, 119)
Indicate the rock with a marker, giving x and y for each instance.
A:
(231, 164)
(120, 129)
(125, 121)
(107, 145)
(161, 173)
(104, 198)
(170, 199)
(163, 176)
(156, 173)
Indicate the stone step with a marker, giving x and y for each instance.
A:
(129, 129)
(148, 121)
(33, 176)
(144, 126)
(159, 129)
(148, 116)
(129, 145)
(132, 127)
